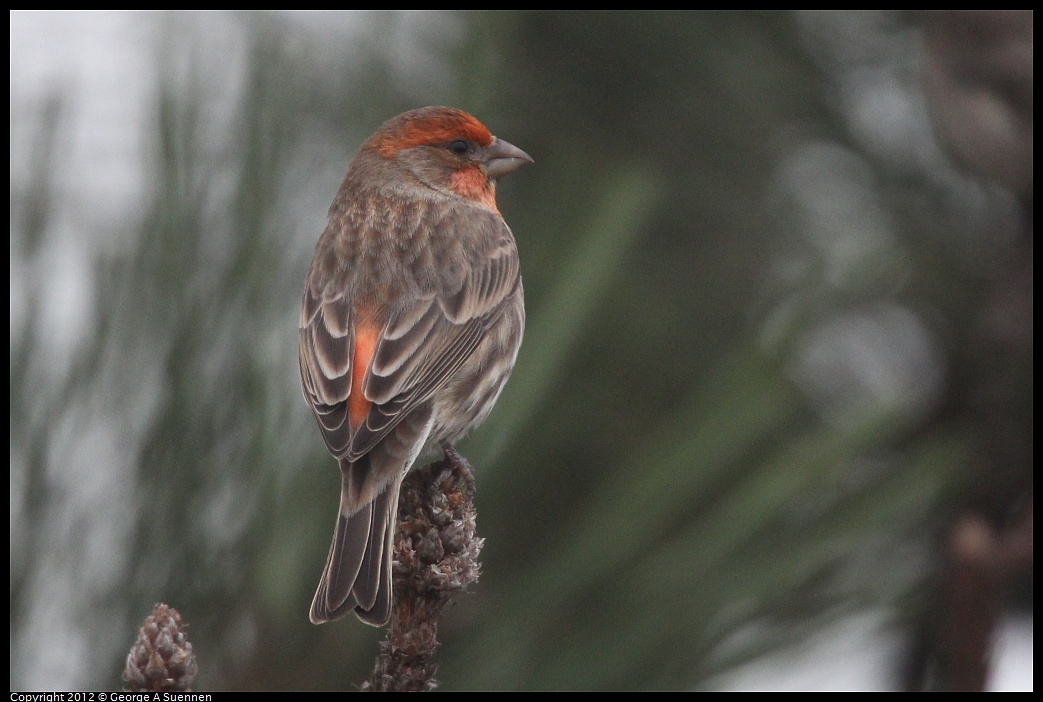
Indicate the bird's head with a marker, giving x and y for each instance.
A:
(449, 150)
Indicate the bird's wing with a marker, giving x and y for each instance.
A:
(425, 344)
(406, 361)
(325, 355)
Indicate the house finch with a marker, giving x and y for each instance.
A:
(411, 322)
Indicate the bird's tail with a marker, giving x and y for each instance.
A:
(357, 575)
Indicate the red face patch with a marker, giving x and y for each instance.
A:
(473, 184)
(430, 126)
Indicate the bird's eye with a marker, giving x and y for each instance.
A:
(459, 147)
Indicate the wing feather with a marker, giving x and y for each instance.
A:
(422, 345)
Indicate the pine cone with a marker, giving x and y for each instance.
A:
(161, 659)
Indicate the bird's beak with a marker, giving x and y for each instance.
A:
(503, 158)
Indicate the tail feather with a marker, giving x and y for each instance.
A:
(333, 598)
(357, 576)
(373, 585)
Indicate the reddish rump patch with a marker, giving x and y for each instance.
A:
(430, 125)
(366, 336)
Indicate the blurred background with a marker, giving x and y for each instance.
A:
(774, 403)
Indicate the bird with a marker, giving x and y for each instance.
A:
(411, 321)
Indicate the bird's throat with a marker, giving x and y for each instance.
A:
(473, 184)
